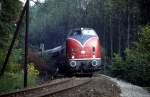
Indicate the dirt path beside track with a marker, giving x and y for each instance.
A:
(129, 90)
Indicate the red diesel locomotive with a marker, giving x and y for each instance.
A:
(83, 51)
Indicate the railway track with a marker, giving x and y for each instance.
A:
(49, 89)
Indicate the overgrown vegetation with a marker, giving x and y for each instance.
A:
(13, 76)
(135, 67)
(14, 80)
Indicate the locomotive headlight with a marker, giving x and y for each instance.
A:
(72, 57)
(73, 63)
(94, 63)
(93, 56)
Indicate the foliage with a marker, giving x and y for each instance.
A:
(14, 80)
(135, 67)
(144, 39)
(8, 17)
(33, 75)
(13, 76)
(118, 69)
(9, 13)
(11, 81)
(13, 64)
(138, 69)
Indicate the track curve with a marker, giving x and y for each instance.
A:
(49, 88)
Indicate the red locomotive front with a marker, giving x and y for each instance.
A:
(83, 50)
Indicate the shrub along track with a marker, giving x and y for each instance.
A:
(49, 88)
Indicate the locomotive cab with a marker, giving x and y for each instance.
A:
(83, 50)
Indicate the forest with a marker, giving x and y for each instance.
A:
(123, 27)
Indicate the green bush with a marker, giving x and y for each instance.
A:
(14, 80)
(132, 69)
(135, 68)
(32, 75)
(13, 64)
(11, 81)
(118, 69)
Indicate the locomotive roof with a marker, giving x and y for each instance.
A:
(82, 31)
(82, 28)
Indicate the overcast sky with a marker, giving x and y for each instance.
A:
(31, 2)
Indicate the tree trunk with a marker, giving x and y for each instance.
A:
(104, 40)
(128, 28)
(119, 36)
(111, 38)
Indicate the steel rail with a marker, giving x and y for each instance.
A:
(64, 87)
(35, 90)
